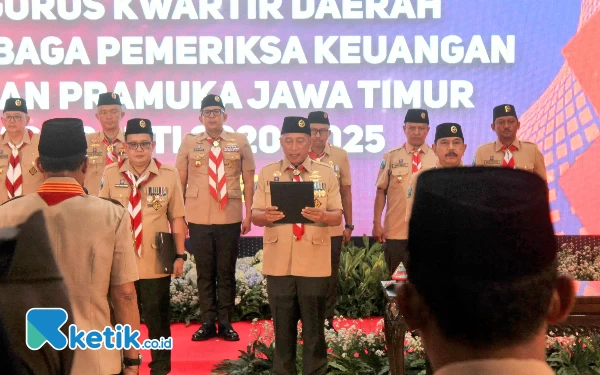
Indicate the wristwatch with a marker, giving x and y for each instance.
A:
(132, 362)
(349, 226)
(181, 256)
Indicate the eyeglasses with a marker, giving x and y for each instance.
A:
(135, 145)
(13, 118)
(213, 112)
(319, 131)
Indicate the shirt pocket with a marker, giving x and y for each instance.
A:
(232, 163)
(399, 175)
(198, 163)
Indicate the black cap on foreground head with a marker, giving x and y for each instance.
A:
(62, 138)
(138, 126)
(448, 129)
(109, 98)
(16, 105)
(318, 117)
(504, 110)
(417, 115)
(295, 124)
(212, 100)
(479, 224)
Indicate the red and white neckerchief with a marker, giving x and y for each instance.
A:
(509, 161)
(14, 176)
(112, 156)
(297, 229)
(135, 202)
(55, 192)
(416, 159)
(216, 173)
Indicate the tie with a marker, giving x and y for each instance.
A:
(135, 203)
(217, 181)
(508, 162)
(416, 164)
(111, 151)
(14, 177)
(298, 229)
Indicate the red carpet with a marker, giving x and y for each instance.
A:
(190, 357)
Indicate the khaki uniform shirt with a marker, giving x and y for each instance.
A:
(527, 157)
(32, 178)
(97, 159)
(311, 256)
(497, 367)
(394, 177)
(337, 158)
(192, 161)
(167, 187)
(92, 244)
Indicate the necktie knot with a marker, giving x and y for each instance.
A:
(510, 148)
(214, 142)
(296, 170)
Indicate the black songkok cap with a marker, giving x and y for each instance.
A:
(16, 105)
(212, 100)
(479, 224)
(109, 98)
(505, 110)
(62, 138)
(417, 115)
(318, 117)
(138, 126)
(295, 124)
(448, 129)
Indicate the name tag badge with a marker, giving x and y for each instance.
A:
(405, 165)
(198, 149)
(232, 148)
(122, 184)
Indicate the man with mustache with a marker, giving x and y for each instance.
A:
(396, 169)
(449, 146)
(507, 151)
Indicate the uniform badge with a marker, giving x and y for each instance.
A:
(102, 183)
(122, 184)
(18, 103)
(453, 129)
(336, 168)
(507, 108)
(491, 158)
(232, 148)
(331, 163)
(423, 115)
(409, 192)
(325, 115)
(301, 123)
(113, 95)
(198, 163)
(317, 203)
(296, 172)
(400, 179)
(156, 205)
(32, 170)
(215, 144)
(198, 149)
(217, 99)
(109, 148)
(142, 124)
(1, 170)
(382, 165)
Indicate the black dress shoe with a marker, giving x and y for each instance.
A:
(227, 332)
(205, 332)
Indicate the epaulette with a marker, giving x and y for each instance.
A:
(275, 162)
(321, 163)
(113, 201)
(12, 199)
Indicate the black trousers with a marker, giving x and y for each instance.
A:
(292, 298)
(215, 248)
(154, 299)
(395, 251)
(332, 288)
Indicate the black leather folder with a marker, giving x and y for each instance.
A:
(291, 198)
(165, 252)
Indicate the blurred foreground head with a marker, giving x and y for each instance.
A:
(482, 269)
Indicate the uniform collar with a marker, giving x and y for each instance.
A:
(225, 135)
(498, 145)
(152, 168)
(120, 136)
(326, 150)
(61, 179)
(26, 137)
(286, 164)
(424, 148)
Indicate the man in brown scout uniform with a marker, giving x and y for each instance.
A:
(92, 245)
(449, 146)
(507, 151)
(297, 257)
(152, 192)
(27, 282)
(482, 273)
(397, 167)
(337, 158)
(108, 145)
(210, 165)
(18, 152)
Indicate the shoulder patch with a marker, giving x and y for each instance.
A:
(382, 165)
(113, 201)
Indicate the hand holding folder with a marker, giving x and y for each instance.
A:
(291, 198)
